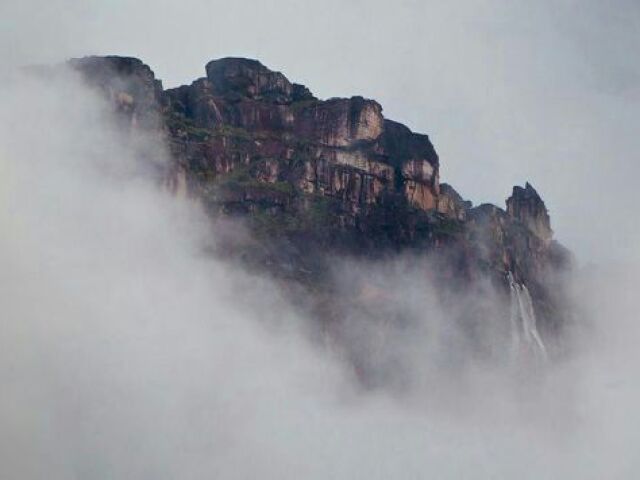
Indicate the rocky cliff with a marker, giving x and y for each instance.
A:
(314, 178)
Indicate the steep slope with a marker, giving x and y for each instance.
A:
(315, 178)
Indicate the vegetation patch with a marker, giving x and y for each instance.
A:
(230, 131)
(177, 122)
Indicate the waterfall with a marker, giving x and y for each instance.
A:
(524, 332)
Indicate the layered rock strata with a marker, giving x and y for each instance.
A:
(326, 176)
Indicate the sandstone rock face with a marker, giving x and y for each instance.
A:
(526, 206)
(339, 122)
(250, 79)
(451, 204)
(347, 148)
(326, 176)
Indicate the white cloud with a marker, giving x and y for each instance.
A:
(126, 353)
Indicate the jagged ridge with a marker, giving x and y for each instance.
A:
(331, 175)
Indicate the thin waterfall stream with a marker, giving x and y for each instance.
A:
(524, 332)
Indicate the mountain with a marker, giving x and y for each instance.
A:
(316, 180)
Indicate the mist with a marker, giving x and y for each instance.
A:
(129, 351)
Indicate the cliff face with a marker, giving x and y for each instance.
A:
(243, 116)
(526, 206)
(315, 177)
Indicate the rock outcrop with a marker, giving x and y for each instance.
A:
(327, 176)
(244, 116)
(526, 206)
(129, 84)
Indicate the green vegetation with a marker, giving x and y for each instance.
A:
(243, 177)
(239, 177)
(178, 122)
(266, 223)
(314, 219)
(284, 188)
(320, 210)
(230, 131)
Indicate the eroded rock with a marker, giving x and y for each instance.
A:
(317, 177)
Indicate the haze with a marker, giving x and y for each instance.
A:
(508, 90)
(126, 352)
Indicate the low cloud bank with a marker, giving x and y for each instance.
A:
(126, 351)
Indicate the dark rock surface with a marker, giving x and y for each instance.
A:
(318, 178)
(526, 206)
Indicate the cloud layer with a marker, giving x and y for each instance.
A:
(127, 352)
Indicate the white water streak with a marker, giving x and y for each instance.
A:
(524, 331)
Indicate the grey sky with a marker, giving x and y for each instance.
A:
(509, 91)
(118, 360)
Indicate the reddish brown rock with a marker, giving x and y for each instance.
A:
(326, 176)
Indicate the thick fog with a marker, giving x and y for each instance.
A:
(128, 351)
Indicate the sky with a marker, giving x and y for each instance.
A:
(509, 91)
(125, 352)
(128, 351)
